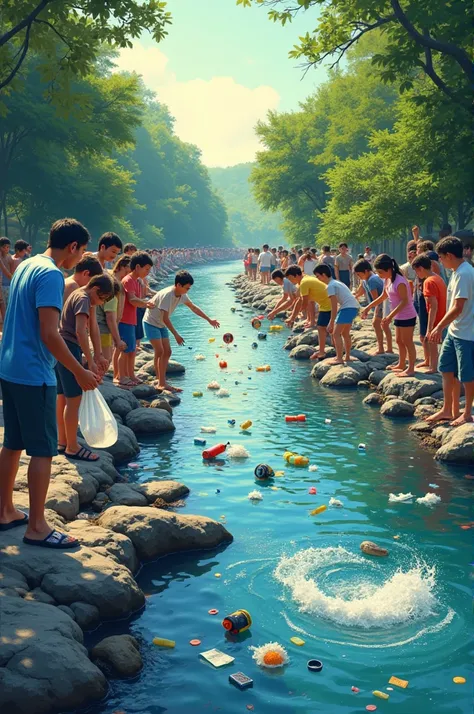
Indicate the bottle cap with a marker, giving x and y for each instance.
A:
(315, 665)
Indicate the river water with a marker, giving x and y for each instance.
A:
(366, 619)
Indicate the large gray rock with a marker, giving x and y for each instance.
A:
(458, 446)
(169, 491)
(44, 667)
(106, 543)
(409, 388)
(144, 391)
(302, 352)
(156, 532)
(345, 375)
(424, 410)
(175, 367)
(120, 401)
(63, 499)
(149, 421)
(79, 575)
(421, 427)
(86, 616)
(126, 494)
(291, 343)
(426, 400)
(161, 403)
(310, 337)
(118, 655)
(376, 376)
(373, 399)
(397, 408)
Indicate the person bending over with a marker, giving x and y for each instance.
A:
(157, 323)
(290, 294)
(311, 291)
(344, 310)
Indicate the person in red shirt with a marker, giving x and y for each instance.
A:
(140, 265)
(435, 294)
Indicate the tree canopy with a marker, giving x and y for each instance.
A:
(434, 36)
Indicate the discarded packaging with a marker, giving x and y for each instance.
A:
(237, 622)
(240, 680)
(370, 548)
(403, 683)
(216, 658)
(296, 417)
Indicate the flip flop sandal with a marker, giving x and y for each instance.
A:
(55, 540)
(82, 455)
(61, 448)
(13, 524)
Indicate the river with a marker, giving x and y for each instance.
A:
(366, 619)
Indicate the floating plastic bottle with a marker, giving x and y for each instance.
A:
(197, 394)
(295, 459)
(237, 622)
(263, 368)
(296, 417)
(246, 425)
(319, 509)
(256, 323)
(161, 642)
(275, 328)
(214, 451)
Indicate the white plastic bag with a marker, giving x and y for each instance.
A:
(98, 424)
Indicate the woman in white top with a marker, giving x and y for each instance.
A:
(309, 263)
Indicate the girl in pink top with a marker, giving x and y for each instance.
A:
(402, 311)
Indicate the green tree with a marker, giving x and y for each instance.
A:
(434, 36)
(69, 34)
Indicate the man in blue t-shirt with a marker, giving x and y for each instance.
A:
(372, 287)
(31, 344)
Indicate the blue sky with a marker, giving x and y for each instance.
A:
(220, 70)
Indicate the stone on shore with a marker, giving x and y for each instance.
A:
(409, 388)
(156, 532)
(169, 491)
(126, 447)
(349, 375)
(86, 616)
(373, 399)
(161, 403)
(376, 376)
(458, 445)
(424, 410)
(105, 542)
(173, 368)
(144, 391)
(120, 401)
(118, 656)
(126, 494)
(149, 421)
(302, 352)
(421, 427)
(44, 665)
(397, 408)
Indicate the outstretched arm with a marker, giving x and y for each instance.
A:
(197, 311)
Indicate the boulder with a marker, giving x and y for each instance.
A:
(126, 494)
(441, 431)
(86, 616)
(373, 399)
(291, 343)
(120, 401)
(397, 408)
(426, 400)
(410, 388)
(345, 375)
(68, 611)
(421, 427)
(144, 391)
(376, 376)
(79, 575)
(63, 499)
(44, 666)
(310, 337)
(161, 403)
(321, 368)
(302, 352)
(109, 544)
(458, 446)
(175, 367)
(169, 491)
(149, 421)
(38, 595)
(156, 532)
(424, 410)
(118, 655)
(361, 355)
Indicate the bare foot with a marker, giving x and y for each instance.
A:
(463, 419)
(429, 371)
(442, 415)
(317, 355)
(379, 352)
(351, 359)
(334, 360)
(390, 352)
(395, 367)
(422, 364)
(406, 373)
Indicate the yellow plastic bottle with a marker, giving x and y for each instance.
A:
(161, 642)
(287, 455)
(317, 510)
(380, 695)
(246, 424)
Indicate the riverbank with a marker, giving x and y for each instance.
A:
(49, 598)
(409, 398)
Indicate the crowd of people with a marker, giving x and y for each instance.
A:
(434, 289)
(60, 336)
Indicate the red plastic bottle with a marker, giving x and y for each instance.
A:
(214, 451)
(297, 417)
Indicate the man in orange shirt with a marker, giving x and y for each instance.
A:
(435, 294)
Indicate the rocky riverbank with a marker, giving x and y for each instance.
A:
(48, 598)
(410, 398)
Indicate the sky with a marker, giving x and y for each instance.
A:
(220, 70)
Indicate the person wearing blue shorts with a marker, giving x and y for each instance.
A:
(157, 324)
(456, 362)
(344, 309)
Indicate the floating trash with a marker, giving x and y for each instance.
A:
(380, 695)
(314, 665)
(197, 394)
(255, 496)
(370, 548)
(429, 499)
(312, 467)
(312, 491)
(222, 393)
(263, 471)
(317, 510)
(336, 503)
(361, 447)
(327, 421)
(246, 425)
(208, 429)
(228, 338)
(403, 683)
(162, 642)
(200, 358)
(271, 655)
(214, 385)
(400, 497)
(237, 451)
(297, 641)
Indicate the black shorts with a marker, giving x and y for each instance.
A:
(405, 323)
(324, 318)
(30, 418)
(139, 334)
(67, 383)
(423, 315)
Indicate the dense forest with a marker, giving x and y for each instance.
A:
(361, 161)
(104, 151)
(248, 223)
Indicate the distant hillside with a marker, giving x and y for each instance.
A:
(249, 225)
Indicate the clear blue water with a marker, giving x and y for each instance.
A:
(367, 619)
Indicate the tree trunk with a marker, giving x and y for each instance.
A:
(461, 220)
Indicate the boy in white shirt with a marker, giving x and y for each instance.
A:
(265, 263)
(344, 309)
(157, 323)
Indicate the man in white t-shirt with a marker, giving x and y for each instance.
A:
(157, 324)
(264, 263)
(456, 361)
(289, 296)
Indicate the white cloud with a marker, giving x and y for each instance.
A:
(218, 115)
